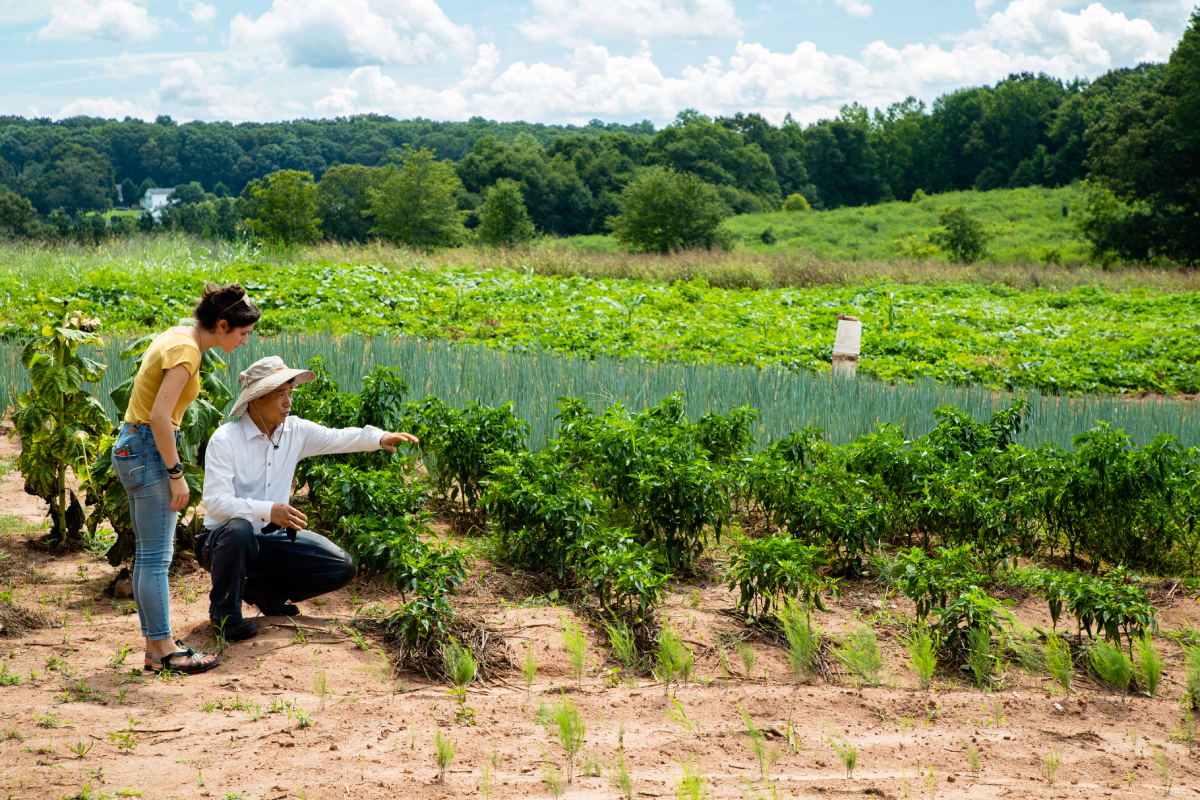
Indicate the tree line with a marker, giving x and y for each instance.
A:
(1132, 132)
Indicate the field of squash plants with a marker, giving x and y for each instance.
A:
(1086, 339)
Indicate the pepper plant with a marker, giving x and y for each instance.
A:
(59, 421)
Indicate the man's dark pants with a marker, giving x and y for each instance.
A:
(267, 569)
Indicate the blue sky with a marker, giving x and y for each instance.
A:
(546, 60)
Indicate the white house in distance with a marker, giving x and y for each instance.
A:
(155, 200)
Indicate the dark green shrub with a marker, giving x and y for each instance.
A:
(460, 446)
(931, 582)
(542, 511)
(774, 569)
(629, 579)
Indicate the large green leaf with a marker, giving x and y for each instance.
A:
(77, 336)
(121, 394)
(92, 371)
(138, 347)
(199, 421)
(49, 379)
(218, 393)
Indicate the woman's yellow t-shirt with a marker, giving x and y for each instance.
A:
(167, 351)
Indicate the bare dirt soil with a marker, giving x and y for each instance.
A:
(65, 727)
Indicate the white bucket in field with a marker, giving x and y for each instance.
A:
(846, 345)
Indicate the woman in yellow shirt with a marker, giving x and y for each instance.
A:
(146, 459)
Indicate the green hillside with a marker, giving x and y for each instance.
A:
(1027, 225)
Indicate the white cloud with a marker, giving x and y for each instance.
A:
(856, 8)
(189, 90)
(351, 33)
(574, 22)
(107, 20)
(105, 107)
(1029, 35)
(202, 13)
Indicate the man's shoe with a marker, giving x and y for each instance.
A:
(282, 610)
(236, 631)
(267, 609)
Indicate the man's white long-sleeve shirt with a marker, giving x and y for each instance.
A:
(244, 475)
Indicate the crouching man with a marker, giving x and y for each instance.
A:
(254, 543)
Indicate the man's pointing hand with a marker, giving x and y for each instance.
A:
(389, 440)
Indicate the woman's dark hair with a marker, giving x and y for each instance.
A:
(229, 303)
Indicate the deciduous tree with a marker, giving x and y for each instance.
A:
(663, 210)
(286, 207)
(415, 204)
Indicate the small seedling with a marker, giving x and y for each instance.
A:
(567, 729)
(1130, 777)
(973, 758)
(485, 782)
(1051, 761)
(553, 779)
(1149, 664)
(861, 654)
(764, 754)
(803, 641)
(320, 682)
(624, 646)
(922, 652)
(118, 657)
(979, 653)
(80, 749)
(591, 767)
(460, 666)
(1112, 665)
(529, 669)
(1058, 662)
(846, 752)
(575, 643)
(680, 716)
(50, 719)
(443, 753)
(1163, 768)
(675, 659)
(746, 654)
(691, 783)
(622, 783)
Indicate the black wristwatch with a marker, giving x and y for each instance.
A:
(175, 471)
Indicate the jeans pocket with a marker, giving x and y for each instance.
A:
(131, 469)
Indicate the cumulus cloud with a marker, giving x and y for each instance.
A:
(202, 13)
(351, 33)
(1029, 35)
(855, 7)
(573, 22)
(1091, 40)
(105, 107)
(189, 90)
(105, 20)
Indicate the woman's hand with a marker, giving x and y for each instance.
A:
(179, 493)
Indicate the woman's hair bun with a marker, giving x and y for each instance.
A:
(230, 303)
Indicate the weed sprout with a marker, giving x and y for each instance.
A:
(922, 653)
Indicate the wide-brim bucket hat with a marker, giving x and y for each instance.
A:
(265, 376)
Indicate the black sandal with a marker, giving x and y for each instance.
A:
(161, 665)
(178, 643)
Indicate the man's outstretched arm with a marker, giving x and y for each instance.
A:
(321, 441)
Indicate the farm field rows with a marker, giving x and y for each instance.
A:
(1086, 339)
(532, 382)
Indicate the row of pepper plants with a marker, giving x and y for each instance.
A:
(623, 500)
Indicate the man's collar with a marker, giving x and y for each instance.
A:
(250, 430)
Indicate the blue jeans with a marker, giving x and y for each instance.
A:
(140, 468)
